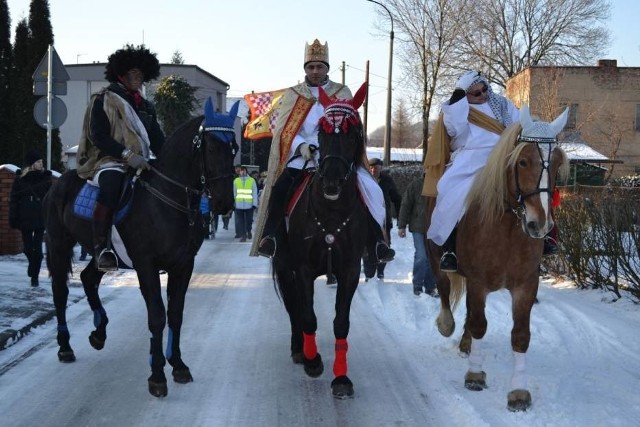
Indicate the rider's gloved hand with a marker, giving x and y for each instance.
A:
(466, 80)
(306, 151)
(134, 160)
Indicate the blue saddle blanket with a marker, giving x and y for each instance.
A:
(86, 201)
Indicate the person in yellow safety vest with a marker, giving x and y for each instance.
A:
(245, 193)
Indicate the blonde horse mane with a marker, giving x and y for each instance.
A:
(487, 195)
(488, 190)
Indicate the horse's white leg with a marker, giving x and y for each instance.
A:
(475, 378)
(519, 378)
(519, 398)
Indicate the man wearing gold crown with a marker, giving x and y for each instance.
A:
(294, 148)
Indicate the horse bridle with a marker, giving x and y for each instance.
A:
(350, 165)
(198, 146)
(520, 196)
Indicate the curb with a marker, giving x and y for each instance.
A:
(9, 337)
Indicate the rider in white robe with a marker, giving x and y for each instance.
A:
(470, 145)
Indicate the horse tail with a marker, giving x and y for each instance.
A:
(65, 259)
(59, 256)
(457, 289)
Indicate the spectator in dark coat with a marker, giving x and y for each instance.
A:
(25, 210)
(392, 201)
(412, 214)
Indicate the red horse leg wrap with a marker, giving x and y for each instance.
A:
(309, 346)
(340, 364)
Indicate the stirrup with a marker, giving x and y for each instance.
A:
(267, 247)
(107, 260)
(449, 262)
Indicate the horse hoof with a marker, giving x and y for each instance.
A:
(518, 400)
(97, 340)
(66, 356)
(465, 345)
(445, 323)
(314, 367)
(297, 358)
(342, 387)
(158, 389)
(182, 376)
(475, 381)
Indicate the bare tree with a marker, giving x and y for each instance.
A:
(401, 129)
(506, 36)
(425, 33)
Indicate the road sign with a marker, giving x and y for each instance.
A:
(59, 73)
(40, 88)
(58, 112)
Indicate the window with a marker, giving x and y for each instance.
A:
(637, 127)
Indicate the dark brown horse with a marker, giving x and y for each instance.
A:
(162, 231)
(500, 243)
(327, 233)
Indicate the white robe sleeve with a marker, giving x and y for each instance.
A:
(456, 120)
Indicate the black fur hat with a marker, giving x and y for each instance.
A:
(130, 57)
(32, 157)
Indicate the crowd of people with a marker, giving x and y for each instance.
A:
(121, 132)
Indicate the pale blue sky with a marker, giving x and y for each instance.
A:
(259, 45)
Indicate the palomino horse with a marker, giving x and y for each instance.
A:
(162, 231)
(327, 233)
(500, 243)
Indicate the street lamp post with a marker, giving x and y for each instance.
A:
(387, 129)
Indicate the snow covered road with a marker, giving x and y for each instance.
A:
(583, 360)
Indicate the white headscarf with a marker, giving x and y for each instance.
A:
(498, 103)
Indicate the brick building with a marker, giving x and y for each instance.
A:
(10, 239)
(604, 103)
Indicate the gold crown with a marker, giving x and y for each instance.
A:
(316, 52)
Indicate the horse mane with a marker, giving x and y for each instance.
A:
(361, 152)
(186, 130)
(488, 190)
(487, 194)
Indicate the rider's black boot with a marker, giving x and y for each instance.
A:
(275, 215)
(449, 261)
(106, 259)
(376, 244)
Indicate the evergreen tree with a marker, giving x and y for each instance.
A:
(175, 101)
(6, 63)
(40, 37)
(177, 58)
(22, 105)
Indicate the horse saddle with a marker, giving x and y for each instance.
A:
(85, 202)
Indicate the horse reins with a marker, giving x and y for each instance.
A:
(204, 177)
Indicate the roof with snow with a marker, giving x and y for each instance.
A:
(397, 154)
(577, 152)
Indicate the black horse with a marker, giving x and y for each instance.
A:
(162, 231)
(327, 234)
